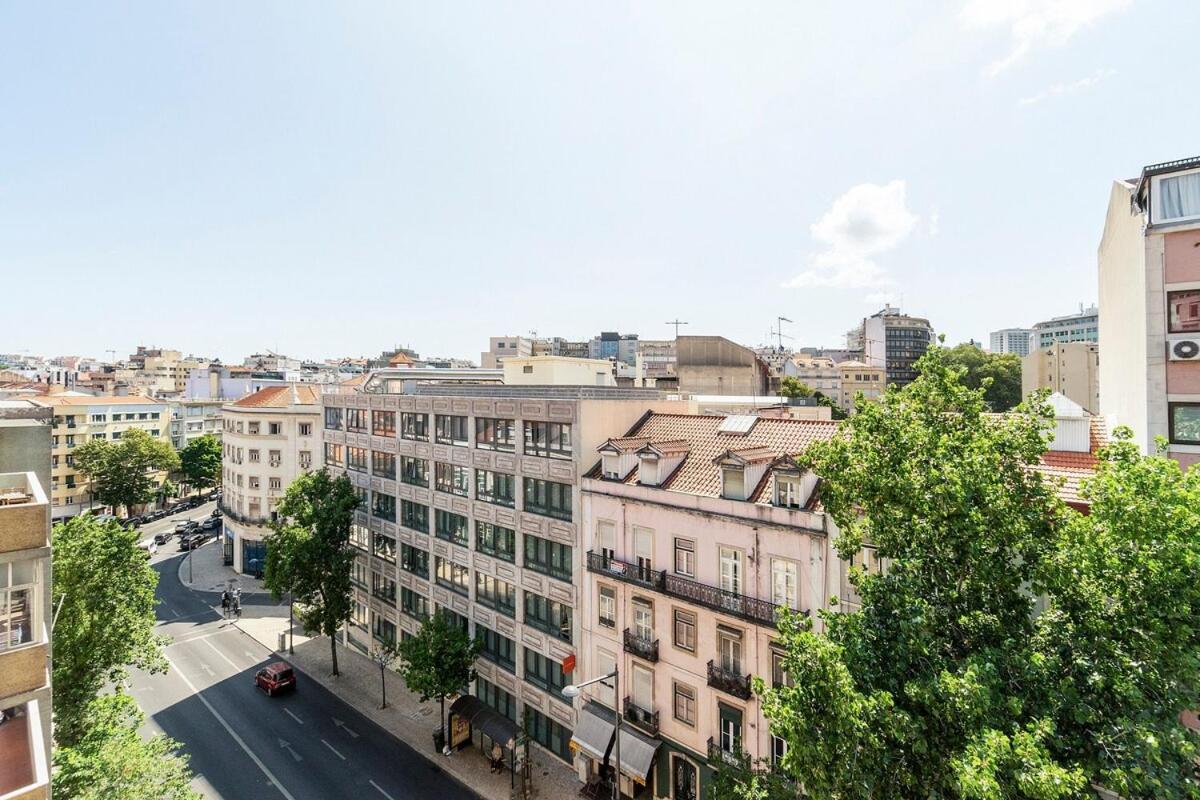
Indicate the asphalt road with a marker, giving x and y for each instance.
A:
(243, 745)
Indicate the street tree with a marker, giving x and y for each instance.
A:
(385, 654)
(997, 374)
(103, 591)
(200, 461)
(111, 759)
(794, 387)
(309, 554)
(439, 660)
(1010, 647)
(125, 472)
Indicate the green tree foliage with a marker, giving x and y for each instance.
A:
(309, 554)
(106, 619)
(111, 759)
(739, 778)
(794, 387)
(200, 461)
(1012, 648)
(124, 472)
(439, 660)
(998, 374)
(835, 411)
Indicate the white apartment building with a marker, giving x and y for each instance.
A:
(1081, 327)
(1011, 340)
(501, 347)
(269, 439)
(191, 419)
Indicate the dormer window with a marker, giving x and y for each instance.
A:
(610, 465)
(1177, 196)
(648, 470)
(733, 483)
(787, 491)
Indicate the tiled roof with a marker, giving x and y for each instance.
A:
(677, 447)
(748, 455)
(89, 400)
(698, 474)
(280, 397)
(628, 443)
(1074, 468)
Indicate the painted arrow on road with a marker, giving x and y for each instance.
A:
(342, 725)
(287, 746)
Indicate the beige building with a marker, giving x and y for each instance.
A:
(1069, 368)
(155, 370)
(191, 419)
(269, 439)
(471, 503)
(502, 347)
(25, 602)
(715, 365)
(557, 371)
(856, 378)
(82, 418)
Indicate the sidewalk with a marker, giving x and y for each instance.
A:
(406, 717)
(209, 574)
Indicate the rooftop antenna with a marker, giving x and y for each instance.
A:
(112, 353)
(676, 322)
(778, 333)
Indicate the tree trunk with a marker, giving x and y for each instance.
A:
(382, 685)
(445, 740)
(333, 652)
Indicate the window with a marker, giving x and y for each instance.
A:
(496, 594)
(18, 583)
(685, 557)
(731, 570)
(356, 458)
(414, 560)
(360, 537)
(358, 614)
(383, 465)
(551, 439)
(383, 506)
(547, 615)
(496, 648)
(546, 732)
(779, 676)
(643, 619)
(1178, 197)
(99, 417)
(383, 423)
(785, 583)
(685, 630)
(606, 537)
(544, 672)
(384, 630)
(385, 547)
(382, 587)
(685, 704)
(787, 491)
(356, 420)
(453, 576)
(451, 479)
(414, 515)
(548, 498)
(305, 459)
(547, 557)
(729, 648)
(730, 739)
(608, 606)
(274, 428)
(361, 493)
(253, 455)
(450, 429)
(333, 419)
(414, 426)
(1183, 311)
(306, 429)
(495, 434)
(414, 471)
(733, 483)
(451, 527)
(1184, 419)
(495, 487)
(495, 540)
(413, 604)
(253, 479)
(495, 697)
(334, 455)
(274, 457)
(275, 483)
(778, 750)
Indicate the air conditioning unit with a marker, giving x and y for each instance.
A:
(1183, 350)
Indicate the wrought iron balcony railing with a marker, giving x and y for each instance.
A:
(718, 756)
(728, 681)
(641, 647)
(642, 718)
(624, 571)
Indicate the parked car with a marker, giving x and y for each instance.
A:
(186, 526)
(275, 677)
(217, 513)
(191, 541)
(164, 537)
(211, 524)
(148, 546)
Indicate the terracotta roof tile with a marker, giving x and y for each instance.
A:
(628, 443)
(280, 397)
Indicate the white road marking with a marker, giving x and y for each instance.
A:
(293, 716)
(335, 752)
(228, 660)
(183, 617)
(381, 791)
(287, 746)
(232, 733)
(207, 669)
(342, 725)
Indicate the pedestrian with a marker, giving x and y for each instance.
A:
(225, 603)
(497, 757)
(237, 607)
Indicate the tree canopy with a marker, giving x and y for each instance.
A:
(1010, 647)
(439, 660)
(309, 554)
(791, 386)
(124, 472)
(106, 620)
(200, 461)
(998, 374)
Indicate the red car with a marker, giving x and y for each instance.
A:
(275, 677)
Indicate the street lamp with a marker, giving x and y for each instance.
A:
(572, 690)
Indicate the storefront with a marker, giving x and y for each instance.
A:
(593, 741)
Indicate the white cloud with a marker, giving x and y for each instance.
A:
(866, 221)
(1035, 23)
(1059, 89)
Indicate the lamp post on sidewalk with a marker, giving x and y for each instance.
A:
(291, 626)
(572, 691)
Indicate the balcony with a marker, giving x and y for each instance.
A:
(640, 647)
(719, 756)
(728, 681)
(624, 571)
(647, 721)
(25, 774)
(24, 513)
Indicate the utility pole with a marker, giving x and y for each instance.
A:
(676, 322)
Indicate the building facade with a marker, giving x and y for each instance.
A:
(191, 419)
(1011, 340)
(269, 439)
(893, 341)
(1149, 269)
(858, 378)
(698, 530)
(501, 347)
(82, 418)
(715, 365)
(1070, 368)
(26, 609)
(471, 503)
(1081, 327)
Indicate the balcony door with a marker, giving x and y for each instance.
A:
(684, 781)
(729, 646)
(643, 688)
(643, 544)
(731, 728)
(643, 620)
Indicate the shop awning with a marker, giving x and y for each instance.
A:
(594, 731)
(482, 717)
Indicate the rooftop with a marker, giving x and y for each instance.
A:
(76, 399)
(281, 397)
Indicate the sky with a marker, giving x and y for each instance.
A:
(333, 179)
